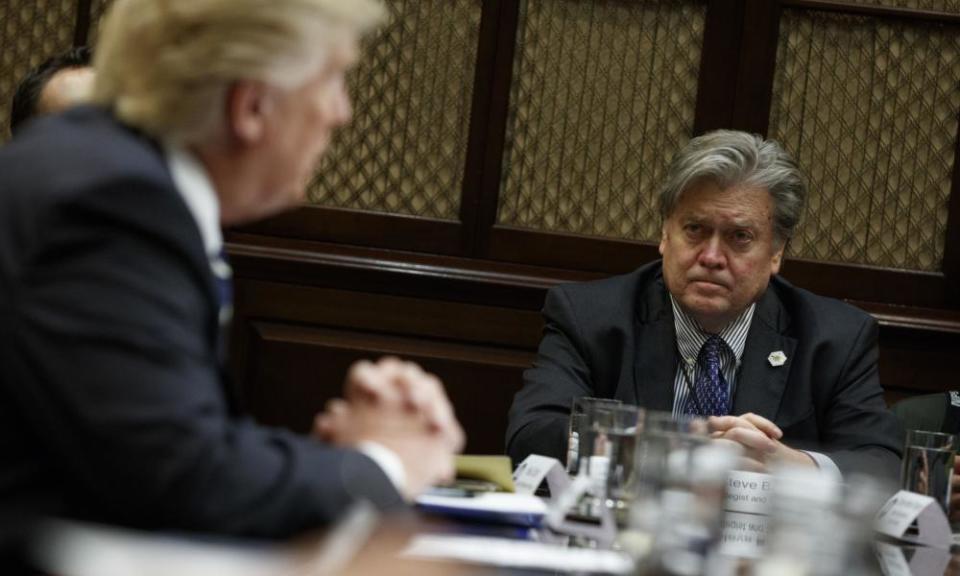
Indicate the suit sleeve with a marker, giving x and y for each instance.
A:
(120, 381)
(860, 433)
(561, 372)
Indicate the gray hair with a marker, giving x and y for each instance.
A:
(732, 158)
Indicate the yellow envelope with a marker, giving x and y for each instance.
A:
(495, 469)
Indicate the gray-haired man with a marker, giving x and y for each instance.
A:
(712, 330)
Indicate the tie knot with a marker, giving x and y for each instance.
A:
(711, 347)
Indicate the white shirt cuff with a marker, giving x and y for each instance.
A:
(826, 465)
(388, 461)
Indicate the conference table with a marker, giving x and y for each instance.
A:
(420, 542)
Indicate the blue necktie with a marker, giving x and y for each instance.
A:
(711, 387)
(223, 280)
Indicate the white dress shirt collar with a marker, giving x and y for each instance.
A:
(690, 337)
(195, 187)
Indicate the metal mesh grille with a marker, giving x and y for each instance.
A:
(869, 109)
(603, 95)
(405, 150)
(30, 32)
(935, 5)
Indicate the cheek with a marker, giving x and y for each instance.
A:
(752, 275)
(317, 132)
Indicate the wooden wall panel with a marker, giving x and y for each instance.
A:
(295, 344)
(298, 369)
(917, 361)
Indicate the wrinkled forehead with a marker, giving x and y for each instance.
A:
(706, 195)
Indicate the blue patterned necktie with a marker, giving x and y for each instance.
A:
(711, 387)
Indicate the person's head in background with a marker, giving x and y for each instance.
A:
(58, 83)
(253, 89)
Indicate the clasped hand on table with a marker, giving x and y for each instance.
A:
(760, 440)
(399, 406)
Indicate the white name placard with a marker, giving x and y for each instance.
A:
(744, 535)
(914, 518)
(534, 469)
(923, 560)
(749, 492)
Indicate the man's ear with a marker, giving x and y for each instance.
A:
(663, 237)
(777, 259)
(248, 108)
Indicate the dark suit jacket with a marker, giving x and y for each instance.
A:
(112, 403)
(615, 338)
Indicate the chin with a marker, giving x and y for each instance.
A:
(705, 306)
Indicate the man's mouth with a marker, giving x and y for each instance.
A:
(708, 283)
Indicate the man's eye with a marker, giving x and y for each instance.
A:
(691, 228)
(742, 236)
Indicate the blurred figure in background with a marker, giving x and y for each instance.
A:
(60, 82)
(115, 296)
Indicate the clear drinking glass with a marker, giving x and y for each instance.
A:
(605, 448)
(618, 427)
(928, 464)
(665, 448)
(578, 424)
(677, 491)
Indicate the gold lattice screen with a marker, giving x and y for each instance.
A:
(603, 94)
(97, 9)
(405, 150)
(869, 108)
(30, 32)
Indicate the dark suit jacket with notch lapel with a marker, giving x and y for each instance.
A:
(615, 338)
(113, 406)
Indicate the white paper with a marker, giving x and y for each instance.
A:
(534, 469)
(906, 509)
(891, 559)
(517, 554)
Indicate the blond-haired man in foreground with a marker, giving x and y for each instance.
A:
(114, 294)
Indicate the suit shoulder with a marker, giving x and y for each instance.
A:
(607, 299)
(806, 307)
(83, 149)
(614, 288)
(603, 287)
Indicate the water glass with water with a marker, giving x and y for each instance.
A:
(928, 464)
(578, 426)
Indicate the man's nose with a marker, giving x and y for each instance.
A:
(711, 254)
